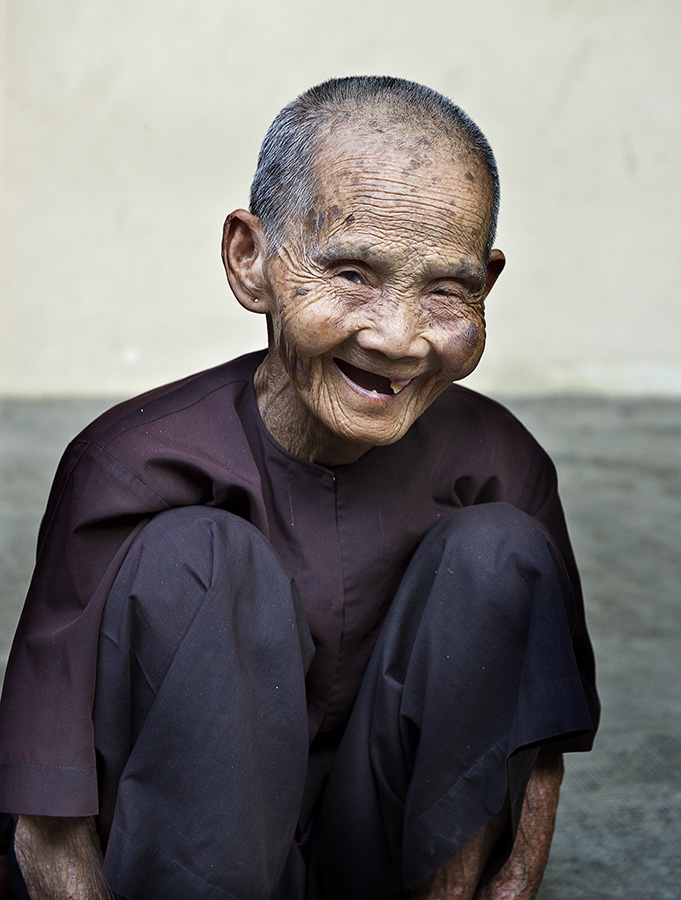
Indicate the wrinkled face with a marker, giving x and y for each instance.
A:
(378, 305)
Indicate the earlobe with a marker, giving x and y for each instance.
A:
(244, 250)
(495, 267)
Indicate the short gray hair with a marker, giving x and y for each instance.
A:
(284, 186)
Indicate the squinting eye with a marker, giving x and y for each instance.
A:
(351, 275)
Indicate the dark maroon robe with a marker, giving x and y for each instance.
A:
(345, 535)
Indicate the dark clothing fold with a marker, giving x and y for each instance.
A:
(201, 726)
(343, 540)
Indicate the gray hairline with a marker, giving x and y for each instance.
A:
(285, 187)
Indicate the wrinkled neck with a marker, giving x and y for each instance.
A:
(292, 424)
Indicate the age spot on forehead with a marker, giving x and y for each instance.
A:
(412, 166)
(301, 292)
(470, 177)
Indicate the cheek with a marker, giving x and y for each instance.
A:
(473, 335)
(463, 347)
(314, 324)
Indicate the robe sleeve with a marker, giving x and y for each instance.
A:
(540, 499)
(47, 757)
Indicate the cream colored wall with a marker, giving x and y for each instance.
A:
(130, 129)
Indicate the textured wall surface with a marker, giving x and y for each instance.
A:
(129, 130)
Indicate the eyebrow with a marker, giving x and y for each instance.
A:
(470, 271)
(336, 253)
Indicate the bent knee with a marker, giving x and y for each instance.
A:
(177, 559)
(491, 532)
(496, 561)
(189, 531)
(192, 541)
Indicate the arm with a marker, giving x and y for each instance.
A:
(521, 876)
(60, 859)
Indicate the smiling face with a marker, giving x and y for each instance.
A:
(377, 305)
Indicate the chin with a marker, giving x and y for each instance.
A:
(372, 437)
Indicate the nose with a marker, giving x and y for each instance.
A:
(396, 329)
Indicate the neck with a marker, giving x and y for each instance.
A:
(291, 423)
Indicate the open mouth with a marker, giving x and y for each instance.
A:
(370, 381)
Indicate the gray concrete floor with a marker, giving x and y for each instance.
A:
(619, 826)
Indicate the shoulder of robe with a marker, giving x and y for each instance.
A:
(180, 444)
(199, 391)
(468, 416)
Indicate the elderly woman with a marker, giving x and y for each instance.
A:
(308, 625)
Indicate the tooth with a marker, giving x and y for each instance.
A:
(396, 388)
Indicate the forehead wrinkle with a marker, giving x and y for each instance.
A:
(382, 210)
(385, 202)
(384, 190)
(432, 237)
(381, 201)
(404, 164)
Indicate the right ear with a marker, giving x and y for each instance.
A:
(244, 251)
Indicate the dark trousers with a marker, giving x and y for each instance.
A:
(200, 714)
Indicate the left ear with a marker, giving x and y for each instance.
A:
(495, 267)
(244, 252)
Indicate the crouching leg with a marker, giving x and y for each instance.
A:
(474, 670)
(200, 715)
